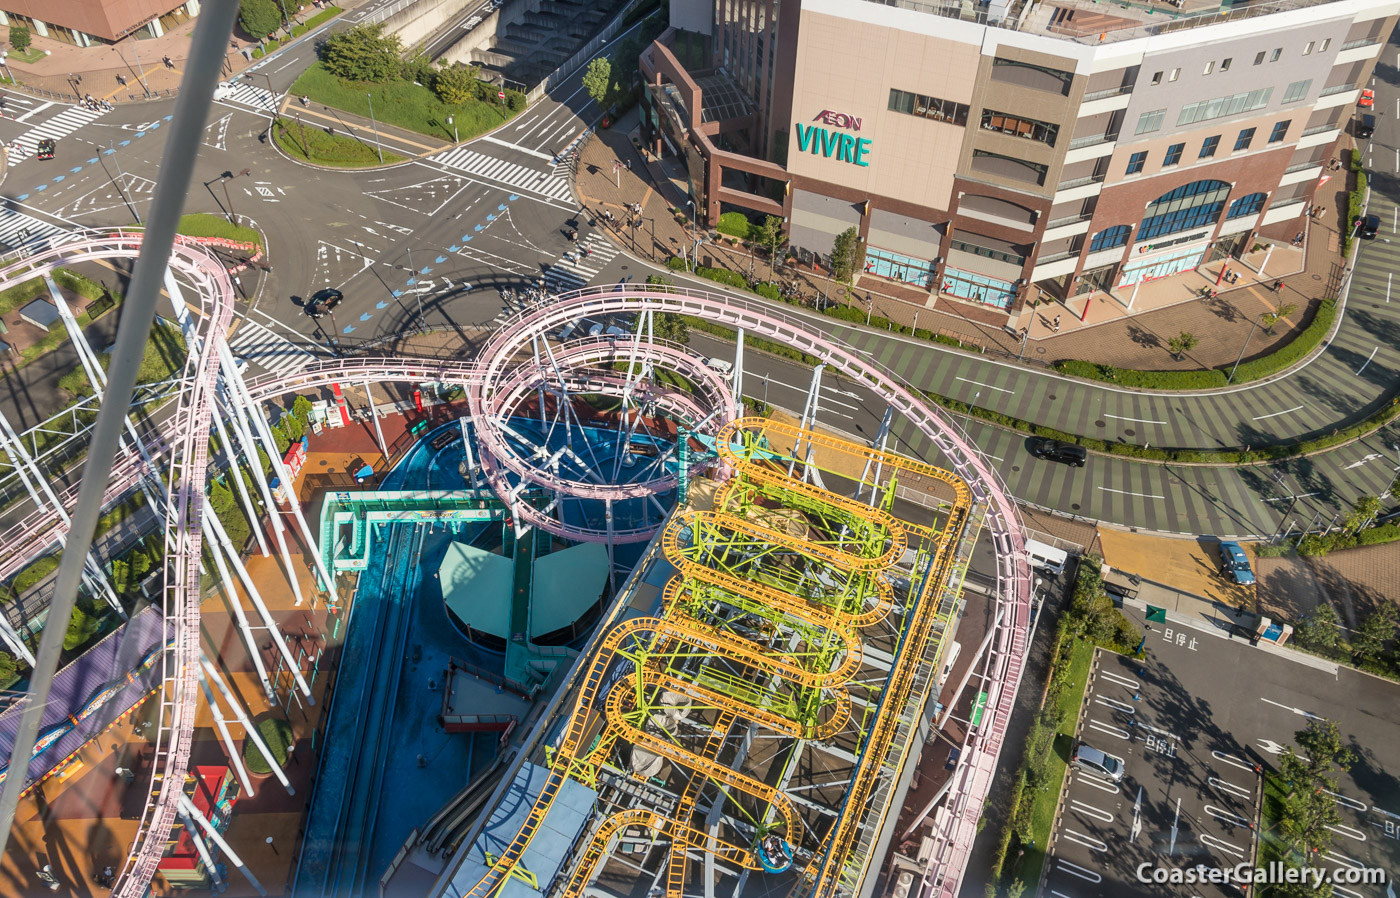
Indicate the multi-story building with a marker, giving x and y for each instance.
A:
(89, 22)
(984, 148)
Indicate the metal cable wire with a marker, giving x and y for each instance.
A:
(176, 173)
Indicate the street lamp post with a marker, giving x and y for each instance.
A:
(140, 72)
(417, 294)
(4, 63)
(121, 181)
(375, 125)
(271, 93)
(451, 120)
(1242, 349)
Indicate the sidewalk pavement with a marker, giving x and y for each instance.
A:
(71, 71)
(1108, 335)
(1190, 565)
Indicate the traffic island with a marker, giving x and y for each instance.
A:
(320, 147)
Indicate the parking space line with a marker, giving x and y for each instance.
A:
(1213, 842)
(1083, 873)
(1233, 760)
(1089, 779)
(1089, 810)
(1349, 832)
(1084, 839)
(1059, 894)
(1115, 704)
(1148, 726)
(1349, 802)
(1344, 860)
(1347, 893)
(1110, 730)
(1231, 788)
(1121, 681)
(1222, 814)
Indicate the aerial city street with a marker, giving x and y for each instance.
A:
(700, 448)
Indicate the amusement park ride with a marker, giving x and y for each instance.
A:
(749, 705)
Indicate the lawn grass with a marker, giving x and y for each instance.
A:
(164, 355)
(319, 148)
(401, 103)
(272, 43)
(1047, 798)
(201, 224)
(1270, 847)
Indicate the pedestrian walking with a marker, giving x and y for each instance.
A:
(1055, 325)
(1278, 285)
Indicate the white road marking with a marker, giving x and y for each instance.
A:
(1102, 785)
(1349, 802)
(1075, 870)
(1114, 703)
(1058, 894)
(1222, 814)
(1299, 711)
(1233, 759)
(1348, 893)
(1089, 810)
(1276, 414)
(1109, 730)
(1158, 730)
(980, 384)
(1231, 788)
(1129, 493)
(1344, 860)
(1138, 420)
(1120, 680)
(1213, 842)
(1084, 839)
(1368, 360)
(25, 117)
(1349, 832)
(516, 146)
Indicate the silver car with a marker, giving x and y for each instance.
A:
(1100, 762)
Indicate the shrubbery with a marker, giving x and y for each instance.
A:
(735, 224)
(277, 734)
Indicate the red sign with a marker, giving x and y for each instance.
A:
(295, 457)
(418, 399)
(501, 94)
(837, 119)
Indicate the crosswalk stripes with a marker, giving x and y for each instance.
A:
(493, 169)
(250, 95)
(16, 228)
(58, 127)
(261, 346)
(566, 274)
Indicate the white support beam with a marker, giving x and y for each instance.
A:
(211, 674)
(218, 839)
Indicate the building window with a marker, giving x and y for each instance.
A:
(1297, 91)
(1175, 73)
(1307, 48)
(1156, 77)
(1173, 155)
(1045, 132)
(945, 111)
(1225, 63)
(1325, 44)
(1220, 107)
(1247, 205)
(1210, 67)
(1188, 206)
(1108, 238)
(899, 267)
(1259, 58)
(1008, 167)
(1280, 131)
(1245, 138)
(987, 252)
(1150, 121)
(1208, 147)
(1274, 56)
(1136, 162)
(1038, 77)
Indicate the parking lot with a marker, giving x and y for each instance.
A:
(1197, 723)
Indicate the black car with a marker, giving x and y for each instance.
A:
(323, 301)
(1071, 454)
(1370, 225)
(1366, 127)
(46, 148)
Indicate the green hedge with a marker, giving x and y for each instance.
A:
(277, 733)
(1285, 357)
(735, 224)
(1355, 198)
(201, 224)
(272, 43)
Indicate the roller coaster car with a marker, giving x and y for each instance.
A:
(444, 439)
(774, 853)
(46, 149)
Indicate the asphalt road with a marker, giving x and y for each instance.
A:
(438, 239)
(1192, 722)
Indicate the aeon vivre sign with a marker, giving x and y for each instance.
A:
(834, 143)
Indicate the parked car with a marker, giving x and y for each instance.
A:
(1367, 99)
(1234, 563)
(1100, 762)
(45, 149)
(1370, 226)
(1366, 127)
(1071, 454)
(324, 301)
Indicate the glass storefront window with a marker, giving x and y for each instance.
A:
(898, 267)
(978, 288)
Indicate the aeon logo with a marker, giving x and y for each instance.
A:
(838, 120)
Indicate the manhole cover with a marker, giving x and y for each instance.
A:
(1131, 433)
(1100, 424)
(1040, 349)
(624, 268)
(1015, 468)
(1317, 277)
(1053, 397)
(323, 462)
(1075, 506)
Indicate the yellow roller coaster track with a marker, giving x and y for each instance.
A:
(680, 858)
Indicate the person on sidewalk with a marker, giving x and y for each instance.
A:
(1055, 325)
(1278, 285)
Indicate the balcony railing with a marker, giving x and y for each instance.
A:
(1336, 89)
(1301, 166)
(1108, 92)
(1056, 257)
(1092, 139)
(1080, 182)
(1067, 220)
(1319, 129)
(1363, 42)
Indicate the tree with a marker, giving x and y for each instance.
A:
(1321, 743)
(455, 85)
(279, 436)
(1362, 513)
(302, 409)
(1272, 318)
(1181, 344)
(770, 237)
(1309, 811)
(363, 53)
(292, 426)
(598, 80)
(846, 255)
(259, 18)
(8, 668)
(1376, 630)
(1320, 629)
(19, 38)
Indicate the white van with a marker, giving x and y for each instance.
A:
(720, 365)
(949, 660)
(1046, 559)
